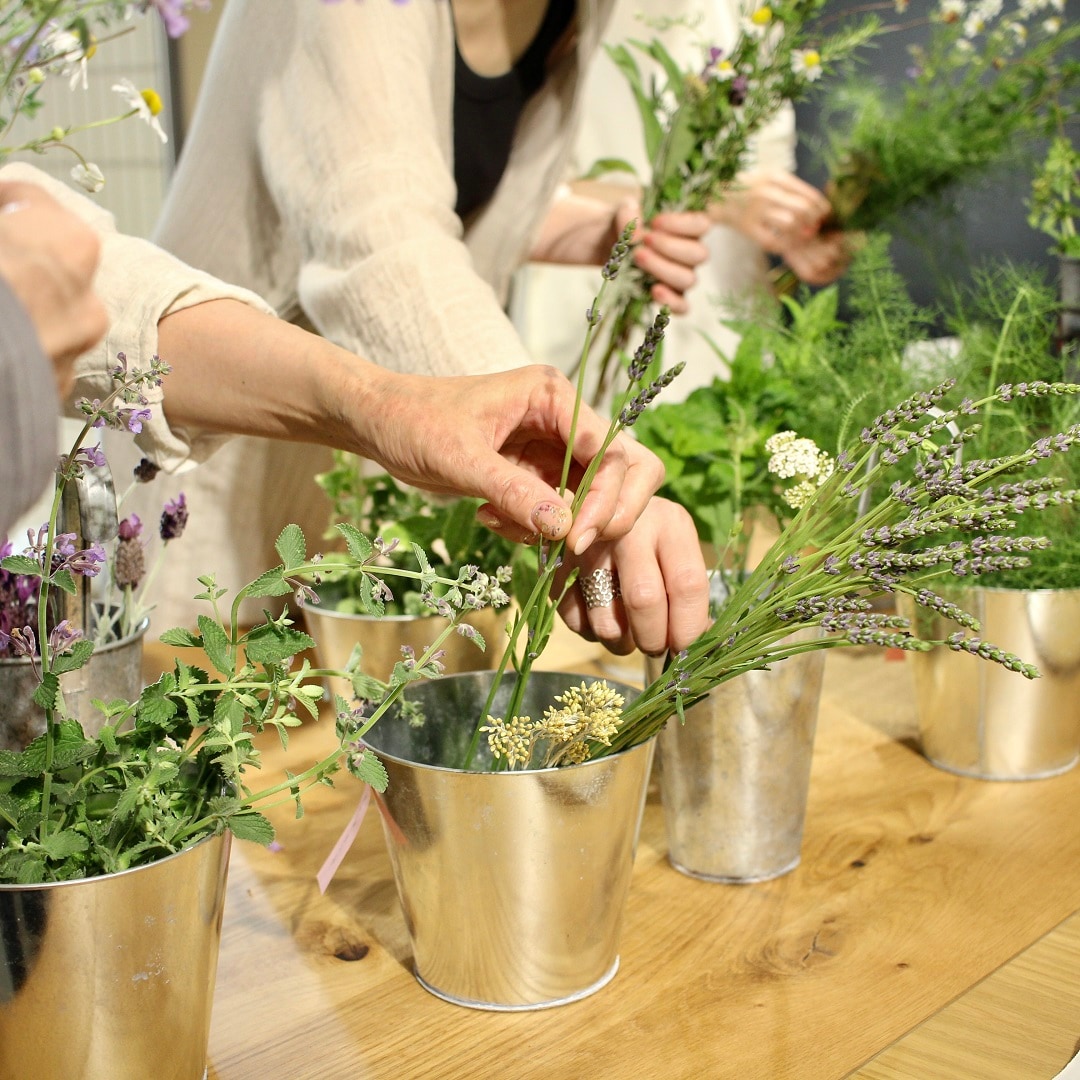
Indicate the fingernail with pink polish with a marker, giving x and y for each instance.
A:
(550, 520)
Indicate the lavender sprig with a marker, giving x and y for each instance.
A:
(826, 565)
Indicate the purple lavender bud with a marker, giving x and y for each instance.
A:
(145, 471)
(173, 518)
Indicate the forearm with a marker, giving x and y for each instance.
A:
(236, 370)
(580, 226)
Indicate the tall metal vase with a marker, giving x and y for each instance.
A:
(979, 719)
(114, 671)
(112, 978)
(734, 778)
(512, 883)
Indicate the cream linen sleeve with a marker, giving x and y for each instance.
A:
(139, 285)
(354, 140)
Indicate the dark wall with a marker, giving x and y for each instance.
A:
(940, 243)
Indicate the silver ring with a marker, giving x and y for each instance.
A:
(599, 588)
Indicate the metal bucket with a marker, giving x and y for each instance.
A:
(112, 978)
(978, 719)
(114, 671)
(512, 883)
(734, 777)
(382, 639)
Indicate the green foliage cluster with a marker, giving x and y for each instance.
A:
(445, 529)
(172, 767)
(827, 378)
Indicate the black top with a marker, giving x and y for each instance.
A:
(486, 110)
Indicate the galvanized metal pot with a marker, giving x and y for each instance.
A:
(382, 639)
(978, 719)
(112, 978)
(114, 671)
(512, 883)
(734, 777)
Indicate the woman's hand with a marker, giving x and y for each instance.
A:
(663, 588)
(824, 257)
(669, 249)
(583, 225)
(774, 208)
(502, 437)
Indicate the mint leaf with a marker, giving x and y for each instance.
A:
(291, 546)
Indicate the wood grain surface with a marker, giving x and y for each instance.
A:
(869, 959)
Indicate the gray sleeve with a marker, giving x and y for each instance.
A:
(28, 412)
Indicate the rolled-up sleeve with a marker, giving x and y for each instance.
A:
(139, 284)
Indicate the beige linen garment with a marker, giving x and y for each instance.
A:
(318, 172)
(139, 284)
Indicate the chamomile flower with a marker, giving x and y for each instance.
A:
(757, 23)
(952, 10)
(145, 103)
(807, 63)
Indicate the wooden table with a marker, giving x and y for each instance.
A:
(930, 932)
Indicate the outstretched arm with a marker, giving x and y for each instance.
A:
(500, 437)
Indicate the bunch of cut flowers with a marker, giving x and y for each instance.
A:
(698, 124)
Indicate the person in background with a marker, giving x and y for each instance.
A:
(378, 171)
(769, 212)
(236, 368)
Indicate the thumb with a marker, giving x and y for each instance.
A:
(520, 505)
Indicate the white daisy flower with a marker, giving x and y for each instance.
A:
(145, 103)
(807, 63)
(758, 22)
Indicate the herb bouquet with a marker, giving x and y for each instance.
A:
(697, 125)
(114, 847)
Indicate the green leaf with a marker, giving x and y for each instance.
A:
(366, 687)
(367, 767)
(21, 564)
(63, 579)
(216, 643)
(603, 166)
(14, 765)
(45, 696)
(75, 659)
(358, 544)
(64, 843)
(650, 125)
(251, 825)
(181, 637)
(270, 644)
(272, 583)
(291, 546)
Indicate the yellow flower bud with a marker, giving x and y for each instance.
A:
(762, 17)
(35, 76)
(57, 133)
